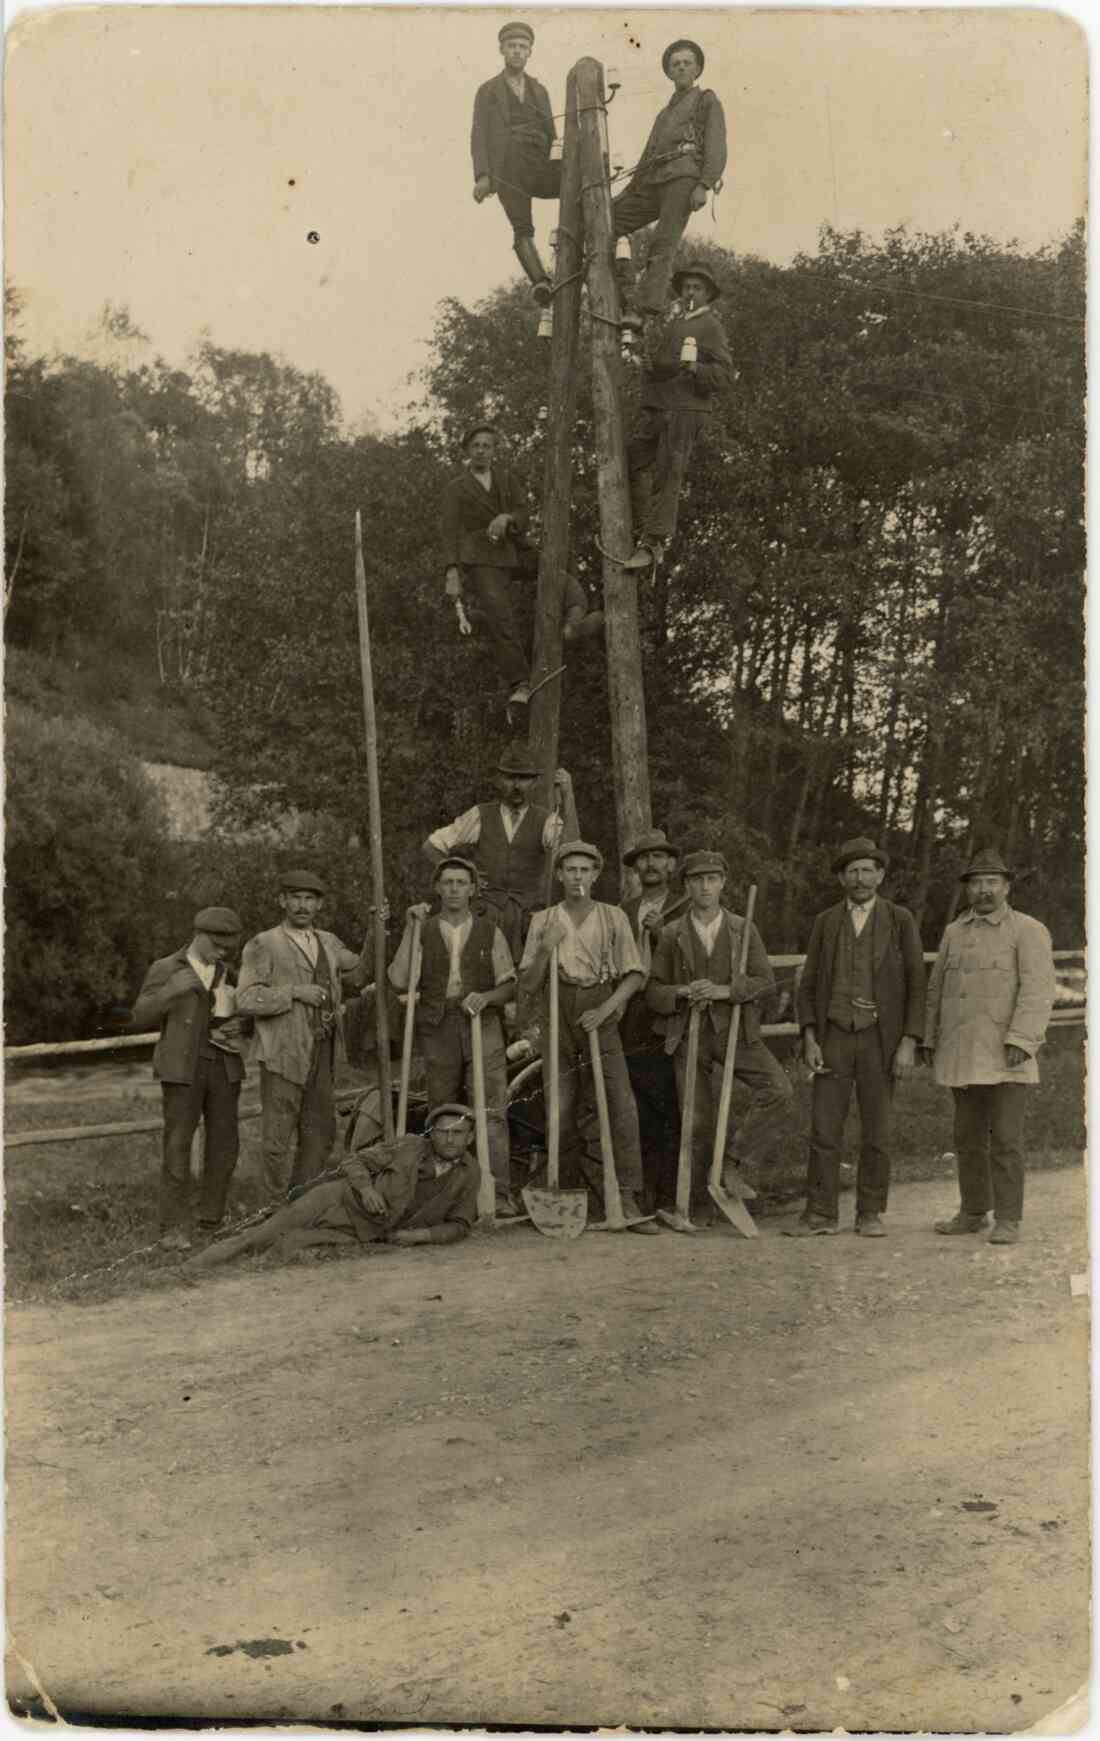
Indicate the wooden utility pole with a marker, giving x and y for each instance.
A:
(558, 467)
(374, 802)
(620, 588)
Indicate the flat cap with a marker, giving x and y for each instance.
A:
(655, 840)
(218, 922)
(455, 861)
(985, 864)
(682, 42)
(697, 270)
(862, 846)
(306, 880)
(579, 849)
(515, 29)
(516, 759)
(452, 1108)
(698, 863)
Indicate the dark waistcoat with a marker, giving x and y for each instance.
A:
(853, 976)
(476, 964)
(517, 866)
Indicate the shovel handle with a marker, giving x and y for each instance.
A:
(612, 1202)
(687, 1115)
(722, 1122)
(410, 1018)
(486, 1190)
(553, 1110)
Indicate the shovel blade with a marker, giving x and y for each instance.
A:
(734, 1211)
(557, 1214)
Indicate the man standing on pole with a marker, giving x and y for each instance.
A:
(510, 142)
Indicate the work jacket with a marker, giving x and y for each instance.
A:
(489, 135)
(271, 966)
(173, 996)
(447, 1205)
(669, 387)
(897, 973)
(468, 511)
(992, 986)
(679, 958)
(693, 120)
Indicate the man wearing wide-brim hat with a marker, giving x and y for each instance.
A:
(190, 996)
(653, 858)
(509, 840)
(292, 981)
(684, 160)
(990, 999)
(510, 140)
(417, 1190)
(861, 1011)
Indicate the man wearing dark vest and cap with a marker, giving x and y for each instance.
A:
(510, 142)
(696, 963)
(684, 160)
(465, 968)
(292, 980)
(190, 996)
(509, 843)
(653, 860)
(418, 1190)
(861, 1011)
(989, 1002)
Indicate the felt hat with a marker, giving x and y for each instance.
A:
(682, 42)
(294, 880)
(697, 270)
(862, 846)
(515, 29)
(218, 922)
(456, 862)
(985, 864)
(516, 759)
(578, 849)
(655, 840)
(696, 863)
(476, 429)
(454, 1108)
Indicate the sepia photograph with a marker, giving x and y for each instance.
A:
(544, 672)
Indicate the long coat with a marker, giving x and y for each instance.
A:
(271, 967)
(992, 986)
(897, 973)
(674, 963)
(489, 133)
(173, 995)
(469, 510)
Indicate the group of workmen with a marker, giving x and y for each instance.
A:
(631, 973)
(487, 558)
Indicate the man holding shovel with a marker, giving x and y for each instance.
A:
(466, 970)
(695, 965)
(599, 969)
(653, 859)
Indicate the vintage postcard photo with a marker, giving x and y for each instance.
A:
(544, 560)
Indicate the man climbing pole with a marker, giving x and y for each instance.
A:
(692, 364)
(684, 160)
(510, 142)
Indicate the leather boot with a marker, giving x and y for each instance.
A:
(528, 256)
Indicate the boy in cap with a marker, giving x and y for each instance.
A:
(861, 1011)
(197, 1061)
(508, 842)
(695, 963)
(990, 999)
(466, 969)
(292, 980)
(599, 970)
(684, 160)
(418, 1190)
(676, 396)
(513, 130)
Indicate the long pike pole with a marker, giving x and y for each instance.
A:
(374, 801)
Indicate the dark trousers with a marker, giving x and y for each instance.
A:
(580, 1126)
(496, 592)
(297, 1124)
(653, 1081)
(669, 203)
(989, 1147)
(657, 456)
(448, 1065)
(317, 1217)
(213, 1098)
(526, 173)
(855, 1060)
(758, 1069)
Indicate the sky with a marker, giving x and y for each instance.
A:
(176, 160)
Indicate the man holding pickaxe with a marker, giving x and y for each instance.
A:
(466, 970)
(695, 965)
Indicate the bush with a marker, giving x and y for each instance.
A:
(86, 862)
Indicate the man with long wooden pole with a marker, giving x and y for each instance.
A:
(375, 809)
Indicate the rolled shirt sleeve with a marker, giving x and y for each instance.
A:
(504, 968)
(465, 830)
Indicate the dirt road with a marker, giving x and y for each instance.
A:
(670, 1482)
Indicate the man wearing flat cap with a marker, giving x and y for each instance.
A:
(990, 999)
(696, 962)
(466, 969)
(509, 842)
(599, 970)
(292, 981)
(861, 1011)
(513, 130)
(653, 859)
(190, 996)
(684, 160)
(677, 395)
(418, 1190)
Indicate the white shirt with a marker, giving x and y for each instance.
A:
(598, 950)
(707, 931)
(859, 915)
(306, 941)
(465, 830)
(205, 969)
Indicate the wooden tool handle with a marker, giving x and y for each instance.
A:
(553, 1109)
(687, 1115)
(486, 1191)
(612, 1203)
(410, 1018)
(722, 1123)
